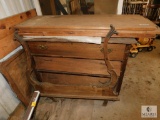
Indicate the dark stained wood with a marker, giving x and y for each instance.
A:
(75, 66)
(7, 29)
(14, 69)
(76, 50)
(126, 54)
(67, 79)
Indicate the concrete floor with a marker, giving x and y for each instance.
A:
(141, 86)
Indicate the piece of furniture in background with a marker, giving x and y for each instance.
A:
(48, 7)
(147, 8)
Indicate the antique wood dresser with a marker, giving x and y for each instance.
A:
(60, 67)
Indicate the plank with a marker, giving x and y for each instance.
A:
(7, 31)
(7, 24)
(76, 50)
(122, 41)
(86, 92)
(8, 45)
(86, 32)
(75, 66)
(67, 79)
(88, 22)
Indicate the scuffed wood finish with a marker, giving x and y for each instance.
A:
(69, 79)
(14, 69)
(120, 22)
(75, 66)
(92, 33)
(88, 25)
(7, 24)
(7, 30)
(76, 50)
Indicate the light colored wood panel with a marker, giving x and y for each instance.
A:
(7, 31)
(89, 22)
(8, 45)
(80, 66)
(7, 24)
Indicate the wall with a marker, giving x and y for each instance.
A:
(8, 100)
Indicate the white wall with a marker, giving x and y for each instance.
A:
(8, 100)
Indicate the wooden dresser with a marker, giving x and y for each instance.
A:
(60, 67)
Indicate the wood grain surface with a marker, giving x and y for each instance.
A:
(75, 66)
(76, 50)
(121, 22)
(7, 31)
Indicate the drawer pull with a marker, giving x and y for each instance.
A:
(42, 47)
(109, 50)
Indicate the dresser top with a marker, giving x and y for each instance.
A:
(79, 23)
(125, 22)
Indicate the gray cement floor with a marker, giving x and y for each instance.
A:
(141, 86)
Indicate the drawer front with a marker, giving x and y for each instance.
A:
(68, 79)
(75, 66)
(76, 50)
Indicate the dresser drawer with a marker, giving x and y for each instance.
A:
(76, 50)
(75, 66)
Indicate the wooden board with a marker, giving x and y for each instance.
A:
(76, 50)
(87, 92)
(7, 45)
(84, 22)
(67, 79)
(14, 70)
(7, 29)
(75, 66)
